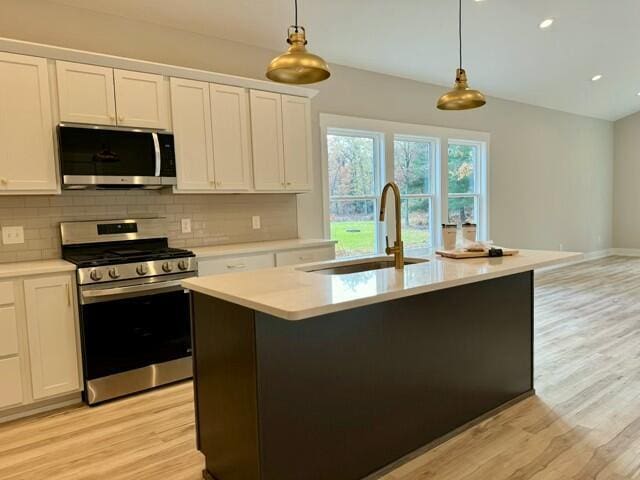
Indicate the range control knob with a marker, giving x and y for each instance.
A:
(95, 275)
(114, 273)
(183, 264)
(142, 269)
(167, 267)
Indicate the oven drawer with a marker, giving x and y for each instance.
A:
(235, 264)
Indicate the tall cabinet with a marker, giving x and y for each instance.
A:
(26, 129)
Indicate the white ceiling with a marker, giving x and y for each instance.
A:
(506, 55)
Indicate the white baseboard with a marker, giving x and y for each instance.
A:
(625, 252)
(40, 407)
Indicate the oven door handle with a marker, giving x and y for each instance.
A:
(117, 293)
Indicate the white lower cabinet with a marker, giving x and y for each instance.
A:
(305, 255)
(39, 356)
(10, 382)
(235, 264)
(51, 325)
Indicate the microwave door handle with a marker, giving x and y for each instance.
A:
(156, 146)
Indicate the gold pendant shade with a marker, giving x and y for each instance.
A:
(297, 65)
(461, 97)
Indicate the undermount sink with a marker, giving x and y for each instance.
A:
(363, 265)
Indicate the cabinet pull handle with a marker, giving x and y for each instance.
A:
(239, 265)
(68, 295)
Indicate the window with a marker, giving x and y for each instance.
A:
(413, 171)
(441, 173)
(463, 174)
(353, 162)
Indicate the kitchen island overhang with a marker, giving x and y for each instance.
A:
(342, 394)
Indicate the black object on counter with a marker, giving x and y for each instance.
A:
(496, 252)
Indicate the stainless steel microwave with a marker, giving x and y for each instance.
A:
(98, 157)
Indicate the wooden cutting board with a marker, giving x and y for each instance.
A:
(460, 254)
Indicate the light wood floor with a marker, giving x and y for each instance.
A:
(583, 424)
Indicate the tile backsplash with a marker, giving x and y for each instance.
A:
(215, 219)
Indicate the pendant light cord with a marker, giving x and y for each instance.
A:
(296, 14)
(459, 29)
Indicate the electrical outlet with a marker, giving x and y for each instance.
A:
(11, 235)
(186, 225)
(255, 222)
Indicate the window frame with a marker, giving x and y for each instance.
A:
(386, 131)
(378, 162)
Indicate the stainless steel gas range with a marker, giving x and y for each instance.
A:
(134, 315)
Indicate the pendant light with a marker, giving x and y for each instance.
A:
(296, 65)
(461, 97)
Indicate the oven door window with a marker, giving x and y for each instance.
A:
(131, 333)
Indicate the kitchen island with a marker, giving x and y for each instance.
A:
(303, 374)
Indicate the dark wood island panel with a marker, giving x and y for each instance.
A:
(342, 395)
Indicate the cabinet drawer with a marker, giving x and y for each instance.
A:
(235, 264)
(6, 293)
(8, 332)
(10, 382)
(306, 255)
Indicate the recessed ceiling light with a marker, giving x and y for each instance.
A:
(546, 23)
(595, 78)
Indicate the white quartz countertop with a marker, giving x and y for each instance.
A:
(36, 267)
(259, 247)
(293, 294)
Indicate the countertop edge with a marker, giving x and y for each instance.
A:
(34, 267)
(298, 315)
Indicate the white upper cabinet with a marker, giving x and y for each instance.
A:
(191, 110)
(27, 161)
(231, 137)
(266, 134)
(141, 99)
(104, 96)
(281, 133)
(51, 328)
(86, 93)
(296, 121)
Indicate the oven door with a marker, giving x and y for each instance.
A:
(133, 327)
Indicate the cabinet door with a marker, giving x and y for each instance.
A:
(141, 100)
(10, 382)
(191, 110)
(51, 329)
(27, 161)
(296, 134)
(86, 93)
(231, 142)
(266, 135)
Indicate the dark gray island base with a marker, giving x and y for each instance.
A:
(340, 396)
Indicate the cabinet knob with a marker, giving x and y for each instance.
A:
(112, 117)
(288, 184)
(120, 118)
(3, 181)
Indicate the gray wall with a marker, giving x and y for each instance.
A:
(626, 199)
(551, 173)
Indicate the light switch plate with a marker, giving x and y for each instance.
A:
(186, 225)
(255, 222)
(12, 235)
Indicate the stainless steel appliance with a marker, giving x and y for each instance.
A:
(134, 315)
(100, 157)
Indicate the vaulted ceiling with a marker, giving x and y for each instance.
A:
(505, 53)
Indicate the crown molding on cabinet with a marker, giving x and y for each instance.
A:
(80, 56)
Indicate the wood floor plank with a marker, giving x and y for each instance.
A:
(584, 422)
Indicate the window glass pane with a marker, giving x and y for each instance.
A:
(353, 225)
(462, 210)
(462, 161)
(351, 165)
(412, 165)
(416, 222)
